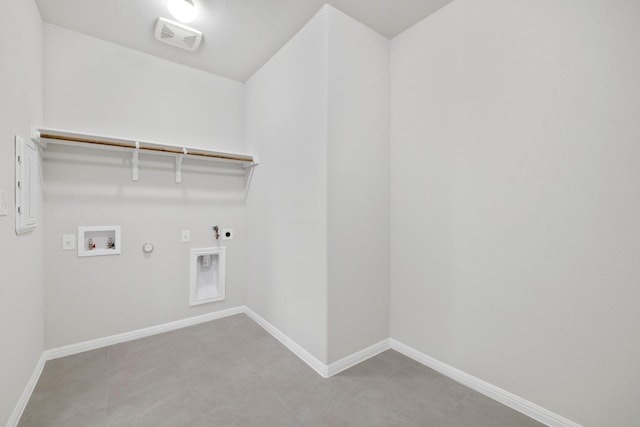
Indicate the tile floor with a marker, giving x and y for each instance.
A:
(230, 372)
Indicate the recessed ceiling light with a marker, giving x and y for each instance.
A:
(182, 10)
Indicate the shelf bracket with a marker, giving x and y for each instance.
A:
(135, 161)
(179, 158)
(253, 164)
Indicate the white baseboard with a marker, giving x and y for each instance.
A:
(358, 357)
(68, 350)
(294, 347)
(26, 393)
(524, 406)
(509, 399)
(321, 368)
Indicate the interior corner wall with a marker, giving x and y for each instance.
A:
(285, 124)
(515, 199)
(358, 185)
(101, 88)
(21, 284)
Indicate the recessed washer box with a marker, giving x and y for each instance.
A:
(99, 240)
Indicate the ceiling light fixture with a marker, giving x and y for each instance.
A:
(182, 10)
(177, 34)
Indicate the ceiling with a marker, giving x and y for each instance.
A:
(239, 35)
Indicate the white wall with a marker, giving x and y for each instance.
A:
(286, 118)
(317, 114)
(98, 87)
(21, 266)
(515, 199)
(358, 185)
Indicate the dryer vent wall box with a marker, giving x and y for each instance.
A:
(207, 281)
(27, 185)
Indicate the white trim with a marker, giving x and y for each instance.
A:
(506, 398)
(26, 393)
(358, 357)
(293, 346)
(139, 333)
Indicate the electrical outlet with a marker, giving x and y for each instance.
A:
(4, 203)
(186, 236)
(68, 242)
(227, 234)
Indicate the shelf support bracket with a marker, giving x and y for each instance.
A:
(179, 158)
(135, 161)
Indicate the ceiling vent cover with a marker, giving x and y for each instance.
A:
(177, 34)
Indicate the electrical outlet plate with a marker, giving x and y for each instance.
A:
(68, 242)
(227, 234)
(4, 203)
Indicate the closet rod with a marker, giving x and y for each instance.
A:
(143, 146)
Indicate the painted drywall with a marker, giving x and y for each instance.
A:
(98, 87)
(21, 266)
(358, 185)
(515, 199)
(317, 114)
(285, 122)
